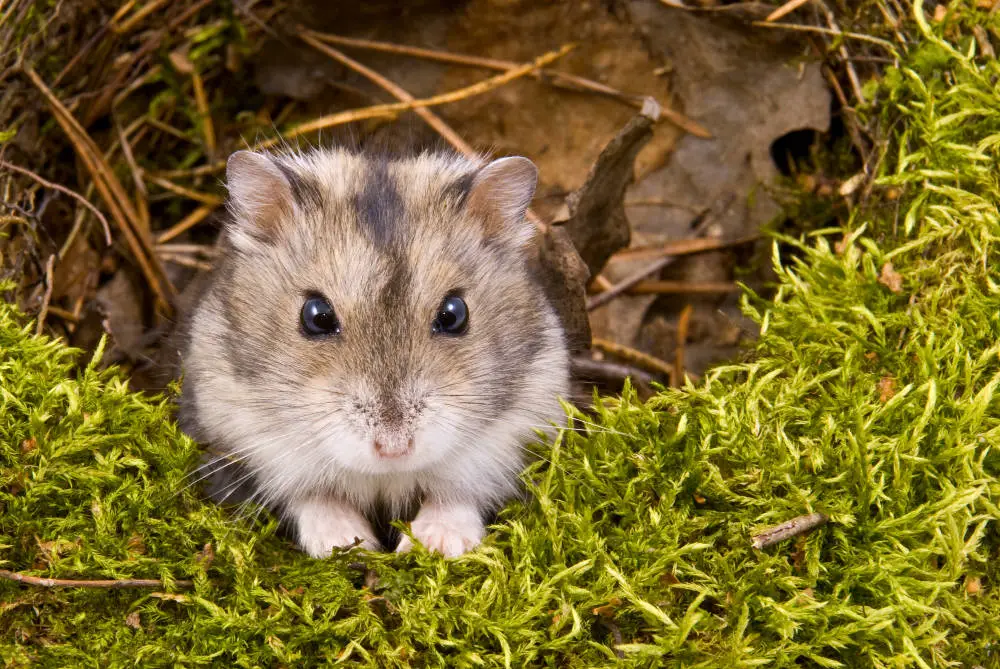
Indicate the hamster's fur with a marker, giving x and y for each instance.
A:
(384, 241)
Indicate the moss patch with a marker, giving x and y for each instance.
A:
(871, 397)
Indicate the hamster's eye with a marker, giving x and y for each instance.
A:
(318, 317)
(452, 317)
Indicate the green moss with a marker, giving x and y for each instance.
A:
(875, 407)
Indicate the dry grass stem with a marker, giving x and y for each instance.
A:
(828, 31)
(188, 222)
(391, 110)
(205, 198)
(785, 9)
(114, 196)
(47, 296)
(432, 119)
(677, 374)
(554, 78)
(116, 584)
(682, 247)
(682, 287)
(65, 191)
(622, 286)
(633, 357)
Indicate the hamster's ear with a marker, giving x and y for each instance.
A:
(259, 196)
(499, 196)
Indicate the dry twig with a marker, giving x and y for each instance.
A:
(65, 191)
(47, 297)
(432, 119)
(633, 356)
(117, 584)
(188, 222)
(205, 198)
(113, 194)
(682, 247)
(677, 373)
(393, 109)
(787, 530)
(682, 287)
(625, 284)
(559, 79)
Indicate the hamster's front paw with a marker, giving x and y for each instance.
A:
(325, 524)
(449, 529)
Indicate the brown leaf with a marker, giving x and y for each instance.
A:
(886, 388)
(136, 545)
(133, 621)
(666, 578)
(890, 278)
(597, 223)
(608, 610)
(205, 556)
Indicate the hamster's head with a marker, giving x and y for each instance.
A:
(377, 315)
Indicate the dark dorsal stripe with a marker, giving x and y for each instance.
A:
(379, 205)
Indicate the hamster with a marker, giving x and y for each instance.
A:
(372, 336)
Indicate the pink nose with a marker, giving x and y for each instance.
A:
(393, 449)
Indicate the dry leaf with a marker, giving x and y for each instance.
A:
(886, 388)
(890, 278)
(205, 556)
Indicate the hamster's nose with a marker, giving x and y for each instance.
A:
(393, 448)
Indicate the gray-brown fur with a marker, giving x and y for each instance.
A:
(385, 240)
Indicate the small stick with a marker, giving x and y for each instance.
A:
(682, 287)
(118, 584)
(659, 202)
(188, 222)
(605, 370)
(787, 530)
(637, 358)
(376, 111)
(827, 31)
(785, 9)
(201, 101)
(600, 283)
(64, 314)
(852, 74)
(554, 78)
(47, 297)
(185, 261)
(682, 247)
(66, 191)
(112, 193)
(137, 18)
(622, 286)
(142, 195)
(197, 249)
(192, 172)
(677, 374)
